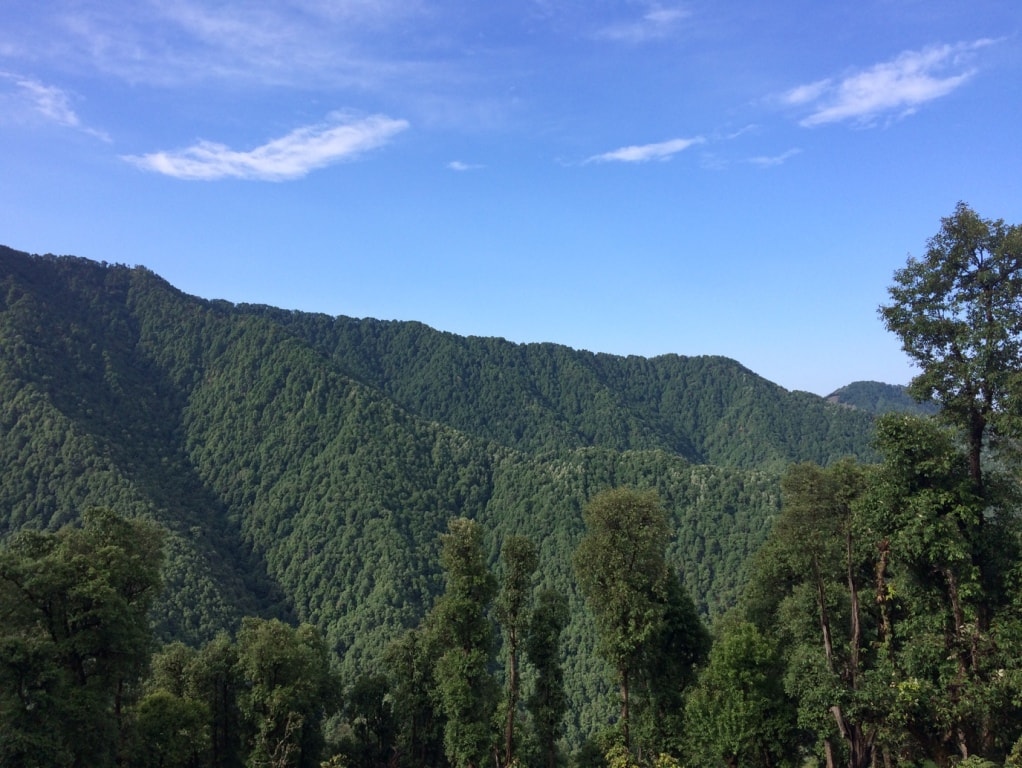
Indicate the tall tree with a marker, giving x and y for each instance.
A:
(369, 712)
(892, 605)
(288, 690)
(169, 732)
(816, 568)
(547, 703)
(466, 690)
(410, 661)
(74, 638)
(519, 560)
(643, 617)
(954, 620)
(216, 679)
(958, 312)
(669, 665)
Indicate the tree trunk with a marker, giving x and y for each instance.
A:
(977, 429)
(882, 597)
(856, 628)
(512, 698)
(821, 599)
(828, 752)
(624, 708)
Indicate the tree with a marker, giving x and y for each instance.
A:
(74, 638)
(215, 679)
(410, 661)
(369, 712)
(169, 731)
(519, 558)
(811, 576)
(466, 690)
(958, 312)
(288, 690)
(738, 714)
(894, 608)
(547, 703)
(648, 629)
(669, 665)
(952, 558)
(181, 682)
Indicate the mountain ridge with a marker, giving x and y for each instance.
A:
(305, 465)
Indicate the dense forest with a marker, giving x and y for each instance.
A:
(392, 545)
(305, 466)
(877, 398)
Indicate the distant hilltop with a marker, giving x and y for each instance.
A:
(877, 398)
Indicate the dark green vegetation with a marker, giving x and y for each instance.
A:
(304, 467)
(876, 398)
(413, 502)
(891, 591)
(74, 639)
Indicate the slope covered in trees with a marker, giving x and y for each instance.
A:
(305, 467)
(877, 398)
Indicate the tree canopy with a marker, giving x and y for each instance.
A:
(958, 313)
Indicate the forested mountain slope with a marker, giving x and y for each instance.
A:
(877, 398)
(549, 397)
(305, 465)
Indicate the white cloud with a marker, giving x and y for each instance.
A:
(804, 94)
(50, 102)
(898, 86)
(458, 165)
(183, 42)
(289, 157)
(656, 23)
(769, 161)
(645, 152)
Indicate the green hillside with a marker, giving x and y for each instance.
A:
(876, 398)
(305, 465)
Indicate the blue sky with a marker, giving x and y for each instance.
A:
(732, 178)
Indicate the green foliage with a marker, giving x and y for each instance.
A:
(74, 638)
(810, 592)
(302, 467)
(465, 689)
(169, 731)
(410, 661)
(214, 678)
(547, 704)
(952, 554)
(648, 629)
(287, 691)
(738, 714)
(519, 559)
(958, 313)
(622, 573)
(888, 590)
(877, 398)
(184, 681)
(668, 667)
(369, 711)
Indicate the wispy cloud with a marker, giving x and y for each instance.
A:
(656, 23)
(266, 42)
(897, 87)
(289, 157)
(458, 165)
(770, 161)
(642, 153)
(413, 52)
(51, 103)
